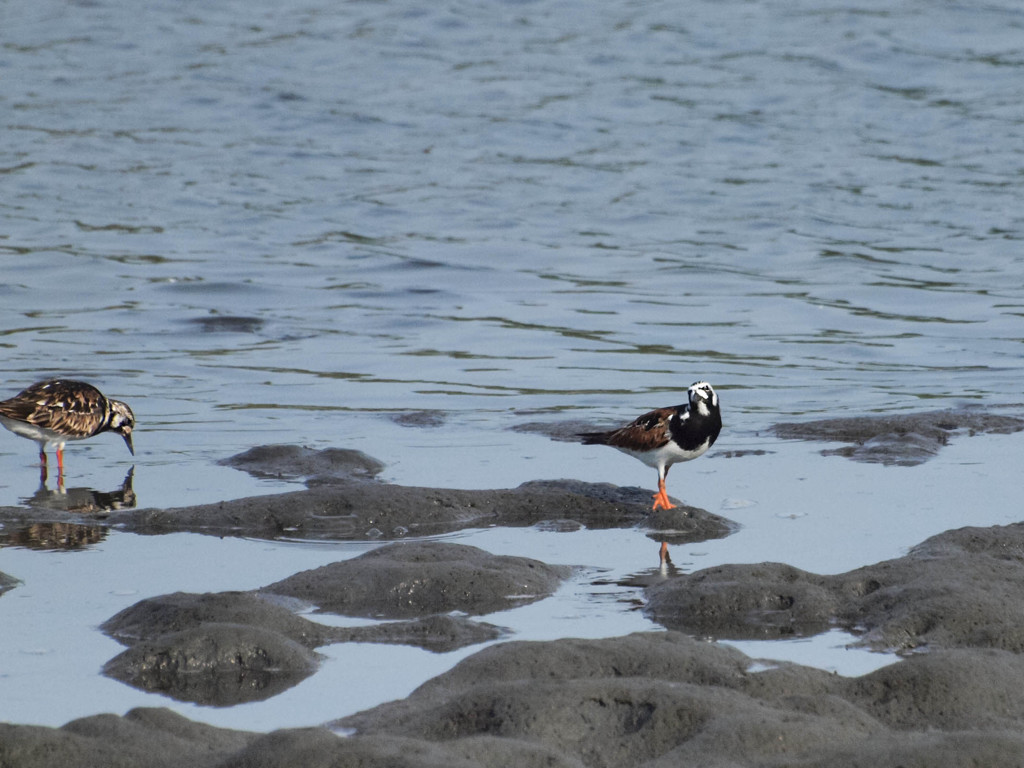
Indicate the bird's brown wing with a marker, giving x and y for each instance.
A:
(18, 409)
(76, 410)
(645, 433)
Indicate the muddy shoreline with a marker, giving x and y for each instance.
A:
(949, 606)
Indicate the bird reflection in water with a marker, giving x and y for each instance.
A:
(53, 536)
(77, 501)
(83, 501)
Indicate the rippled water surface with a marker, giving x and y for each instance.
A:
(300, 222)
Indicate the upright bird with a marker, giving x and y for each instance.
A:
(56, 411)
(666, 436)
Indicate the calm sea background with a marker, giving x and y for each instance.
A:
(295, 222)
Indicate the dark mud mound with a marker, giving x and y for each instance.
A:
(168, 614)
(665, 699)
(213, 649)
(182, 611)
(235, 647)
(962, 588)
(310, 747)
(440, 633)
(293, 461)
(898, 439)
(649, 700)
(215, 664)
(143, 738)
(421, 578)
(339, 507)
(344, 501)
(745, 602)
(420, 419)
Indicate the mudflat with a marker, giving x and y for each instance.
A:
(951, 606)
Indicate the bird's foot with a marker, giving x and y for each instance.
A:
(661, 502)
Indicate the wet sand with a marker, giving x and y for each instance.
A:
(949, 607)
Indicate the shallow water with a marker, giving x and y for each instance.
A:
(279, 222)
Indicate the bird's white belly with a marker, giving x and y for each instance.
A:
(32, 432)
(668, 454)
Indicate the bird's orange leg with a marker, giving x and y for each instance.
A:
(661, 497)
(42, 457)
(60, 463)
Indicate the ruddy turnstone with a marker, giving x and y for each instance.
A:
(55, 411)
(666, 436)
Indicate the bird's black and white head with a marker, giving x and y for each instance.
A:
(703, 398)
(122, 421)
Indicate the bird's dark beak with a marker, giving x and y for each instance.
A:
(128, 441)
